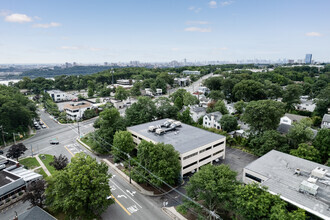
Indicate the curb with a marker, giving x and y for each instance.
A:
(172, 213)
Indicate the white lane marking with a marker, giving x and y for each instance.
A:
(131, 192)
(132, 209)
(119, 196)
(125, 193)
(112, 188)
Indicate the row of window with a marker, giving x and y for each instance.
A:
(218, 152)
(206, 149)
(253, 177)
(194, 163)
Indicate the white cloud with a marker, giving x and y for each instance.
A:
(4, 13)
(313, 34)
(225, 3)
(51, 24)
(196, 22)
(95, 49)
(18, 18)
(70, 48)
(197, 29)
(212, 4)
(194, 9)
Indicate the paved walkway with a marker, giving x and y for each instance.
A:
(43, 166)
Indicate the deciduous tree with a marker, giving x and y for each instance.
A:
(307, 152)
(35, 193)
(81, 189)
(59, 162)
(121, 93)
(142, 111)
(16, 150)
(228, 123)
(122, 145)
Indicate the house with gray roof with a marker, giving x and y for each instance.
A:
(36, 213)
(291, 118)
(301, 182)
(325, 121)
(197, 112)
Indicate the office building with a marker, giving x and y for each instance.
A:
(308, 59)
(196, 146)
(301, 182)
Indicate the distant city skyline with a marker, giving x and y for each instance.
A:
(45, 31)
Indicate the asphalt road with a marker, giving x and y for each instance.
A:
(130, 204)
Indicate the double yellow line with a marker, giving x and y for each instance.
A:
(69, 151)
(121, 205)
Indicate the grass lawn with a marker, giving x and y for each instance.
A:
(29, 163)
(46, 161)
(88, 140)
(42, 172)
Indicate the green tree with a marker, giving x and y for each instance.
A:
(189, 99)
(214, 186)
(248, 90)
(300, 133)
(142, 111)
(109, 122)
(322, 143)
(165, 109)
(216, 95)
(220, 107)
(228, 123)
(185, 117)
(263, 115)
(121, 93)
(213, 83)
(267, 141)
(136, 89)
(252, 201)
(291, 96)
(81, 189)
(16, 150)
(307, 152)
(161, 159)
(122, 145)
(239, 106)
(90, 92)
(178, 102)
(178, 93)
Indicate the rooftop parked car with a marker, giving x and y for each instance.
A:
(54, 141)
(1, 151)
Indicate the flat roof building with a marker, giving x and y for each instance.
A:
(301, 182)
(196, 146)
(190, 72)
(75, 111)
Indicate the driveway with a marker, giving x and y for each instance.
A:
(237, 160)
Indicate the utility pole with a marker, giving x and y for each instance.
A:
(3, 136)
(129, 166)
(14, 136)
(78, 123)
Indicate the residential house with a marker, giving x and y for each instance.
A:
(325, 121)
(189, 72)
(212, 120)
(306, 104)
(289, 119)
(197, 112)
(35, 213)
(182, 81)
(117, 103)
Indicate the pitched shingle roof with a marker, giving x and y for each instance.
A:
(36, 213)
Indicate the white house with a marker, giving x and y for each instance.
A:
(58, 95)
(212, 120)
(182, 81)
(203, 89)
(290, 118)
(325, 121)
(306, 104)
(75, 111)
(197, 112)
(117, 103)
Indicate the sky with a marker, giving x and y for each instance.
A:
(97, 31)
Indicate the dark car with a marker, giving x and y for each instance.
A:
(1, 151)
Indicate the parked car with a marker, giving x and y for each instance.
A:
(41, 123)
(54, 141)
(43, 126)
(38, 127)
(1, 151)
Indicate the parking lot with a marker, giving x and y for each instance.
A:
(237, 160)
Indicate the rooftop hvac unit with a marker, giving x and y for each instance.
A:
(319, 172)
(160, 131)
(312, 179)
(310, 188)
(152, 128)
(177, 123)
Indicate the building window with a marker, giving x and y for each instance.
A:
(205, 158)
(58, 95)
(205, 123)
(189, 156)
(192, 164)
(216, 145)
(134, 135)
(253, 177)
(218, 152)
(209, 148)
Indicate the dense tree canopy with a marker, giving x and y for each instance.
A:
(300, 133)
(16, 150)
(322, 144)
(248, 90)
(165, 109)
(228, 123)
(81, 189)
(121, 93)
(263, 115)
(307, 152)
(122, 145)
(161, 159)
(142, 111)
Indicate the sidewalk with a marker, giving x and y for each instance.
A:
(43, 166)
(172, 213)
